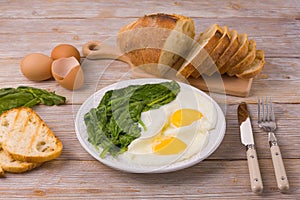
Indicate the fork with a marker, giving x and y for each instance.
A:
(266, 121)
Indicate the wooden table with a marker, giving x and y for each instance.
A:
(38, 26)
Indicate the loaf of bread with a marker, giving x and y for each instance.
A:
(160, 42)
(25, 141)
(156, 42)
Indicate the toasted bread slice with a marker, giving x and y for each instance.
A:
(255, 67)
(206, 42)
(7, 120)
(244, 63)
(7, 163)
(230, 50)
(239, 54)
(30, 139)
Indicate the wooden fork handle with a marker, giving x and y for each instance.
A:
(281, 178)
(255, 177)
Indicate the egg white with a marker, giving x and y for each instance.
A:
(195, 136)
(154, 121)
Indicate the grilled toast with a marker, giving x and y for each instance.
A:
(30, 139)
(7, 163)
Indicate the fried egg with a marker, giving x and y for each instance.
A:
(154, 121)
(176, 131)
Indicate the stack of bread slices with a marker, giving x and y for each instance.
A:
(25, 141)
(219, 49)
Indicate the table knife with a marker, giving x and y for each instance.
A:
(248, 140)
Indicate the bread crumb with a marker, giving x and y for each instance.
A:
(178, 3)
(235, 180)
(286, 77)
(76, 37)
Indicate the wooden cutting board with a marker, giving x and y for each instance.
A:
(217, 84)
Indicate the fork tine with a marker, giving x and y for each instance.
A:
(272, 110)
(258, 109)
(268, 108)
(263, 109)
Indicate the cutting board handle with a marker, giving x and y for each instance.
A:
(96, 50)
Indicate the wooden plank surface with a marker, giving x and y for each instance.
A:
(38, 26)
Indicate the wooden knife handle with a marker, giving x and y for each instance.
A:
(281, 178)
(255, 177)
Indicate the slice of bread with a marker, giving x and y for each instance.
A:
(216, 53)
(155, 42)
(11, 165)
(245, 62)
(30, 139)
(7, 120)
(7, 163)
(230, 50)
(238, 55)
(200, 50)
(255, 67)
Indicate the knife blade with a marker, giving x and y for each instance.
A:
(248, 141)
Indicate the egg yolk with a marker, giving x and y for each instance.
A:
(167, 145)
(185, 117)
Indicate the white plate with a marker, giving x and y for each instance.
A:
(215, 136)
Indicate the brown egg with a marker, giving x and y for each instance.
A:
(68, 73)
(36, 67)
(65, 51)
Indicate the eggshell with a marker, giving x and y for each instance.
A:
(68, 73)
(65, 51)
(36, 67)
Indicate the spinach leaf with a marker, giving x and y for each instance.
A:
(28, 97)
(114, 124)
